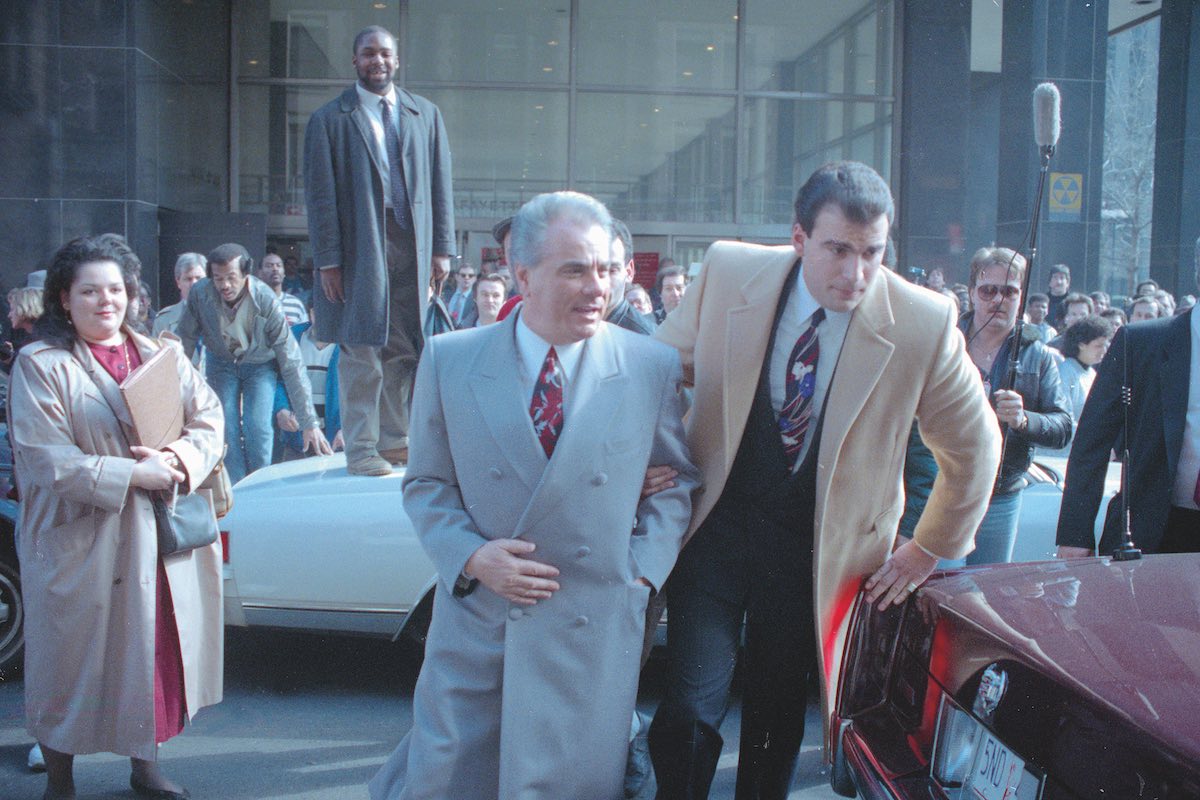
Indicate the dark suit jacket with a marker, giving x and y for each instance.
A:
(1154, 359)
(628, 317)
(343, 187)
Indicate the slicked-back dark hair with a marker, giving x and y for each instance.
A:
(852, 186)
(54, 326)
(368, 31)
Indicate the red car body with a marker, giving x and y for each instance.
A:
(1057, 679)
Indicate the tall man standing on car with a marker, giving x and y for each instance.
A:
(530, 438)
(809, 364)
(381, 219)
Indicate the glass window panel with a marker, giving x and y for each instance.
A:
(655, 157)
(271, 122)
(488, 40)
(688, 44)
(305, 38)
(802, 46)
(1130, 109)
(788, 139)
(507, 146)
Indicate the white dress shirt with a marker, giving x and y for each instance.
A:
(533, 349)
(1189, 455)
(370, 103)
(830, 334)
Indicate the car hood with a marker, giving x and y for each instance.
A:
(1125, 633)
(317, 476)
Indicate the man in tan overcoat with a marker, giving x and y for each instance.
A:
(809, 363)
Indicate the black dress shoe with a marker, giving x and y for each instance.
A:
(142, 790)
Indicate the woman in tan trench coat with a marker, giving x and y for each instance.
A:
(99, 598)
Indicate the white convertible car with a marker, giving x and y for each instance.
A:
(308, 546)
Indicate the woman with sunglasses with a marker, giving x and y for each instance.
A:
(1034, 413)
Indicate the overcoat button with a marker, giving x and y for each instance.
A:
(117, 582)
(495, 473)
(515, 613)
(581, 621)
(583, 552)
(600, 479)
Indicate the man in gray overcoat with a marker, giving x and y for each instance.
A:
(530, 440)
(381, 220)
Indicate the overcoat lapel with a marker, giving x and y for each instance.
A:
(865, 353)
(104, 382)
(746, 346)
(600, 385)
(1174, 374)
(495, 380)
(363, 122)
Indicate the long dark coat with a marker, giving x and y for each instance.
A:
(343, 187)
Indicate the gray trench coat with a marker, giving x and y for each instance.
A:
(344, 194)
(529, 703)
(88, 549)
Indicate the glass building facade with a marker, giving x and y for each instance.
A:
(692, 120)
(181, 125)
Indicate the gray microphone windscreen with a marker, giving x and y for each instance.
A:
(1047, 119)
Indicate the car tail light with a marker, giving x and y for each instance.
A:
(955, 748)
(224, 547)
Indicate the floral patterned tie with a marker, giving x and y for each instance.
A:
(547, 406)
(801, 381)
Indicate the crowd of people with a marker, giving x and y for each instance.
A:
(582, 452)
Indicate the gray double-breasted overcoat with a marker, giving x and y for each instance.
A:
(536, 701)
(88, 549)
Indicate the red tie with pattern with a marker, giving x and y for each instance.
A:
(1196, 492)
(547, 406)
(801, 381)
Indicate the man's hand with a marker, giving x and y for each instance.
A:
(315, 440)
(900, 575)
(1066, 551)
(331, 284)
(286, 420)
(1010, 409)
(658, 479)
(504, 566)
(440, 269)
(339, 442)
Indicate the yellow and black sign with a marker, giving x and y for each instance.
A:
(1066, 196)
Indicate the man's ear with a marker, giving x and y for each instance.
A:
(799, 237)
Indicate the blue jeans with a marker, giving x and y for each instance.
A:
(996, 535)
(247, 394)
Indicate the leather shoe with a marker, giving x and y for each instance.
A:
(142, 790)
(397, 456)
(370, 465)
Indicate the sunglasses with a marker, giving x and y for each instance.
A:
(988, 291)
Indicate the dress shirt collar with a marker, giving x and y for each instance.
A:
(533, 348)
(371, 100)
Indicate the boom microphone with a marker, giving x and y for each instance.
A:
(1047, 119)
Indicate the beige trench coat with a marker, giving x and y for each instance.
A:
(902, 358)
(88, 550)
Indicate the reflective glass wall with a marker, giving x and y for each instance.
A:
(689, 116)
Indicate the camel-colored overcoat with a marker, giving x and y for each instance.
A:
(902, 358)
(88, 549)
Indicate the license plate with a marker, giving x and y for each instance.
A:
(998, 774)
